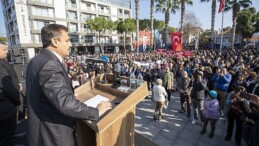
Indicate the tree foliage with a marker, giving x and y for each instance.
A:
(167, 7)
(245, 22)
(3, 39)
(145, 24)
(191, 23)
(125, 26)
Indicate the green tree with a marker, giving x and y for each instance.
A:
(183, 2)
(3, 39)
(125, 26)
(144, 24)
(100, 25)
(246, 19)
(159, 24)
(167, 7)
(256, 25)
(204, 38)
(172, 29)
(235, 6)
(213, 12)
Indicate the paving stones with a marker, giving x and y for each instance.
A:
(176, 129)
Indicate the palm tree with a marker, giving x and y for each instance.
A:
(236, 5)
(167, 6)
(189, 2)
(137, 23)
(213, 12)
(152, 3)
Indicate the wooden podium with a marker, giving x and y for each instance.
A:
(116, 126)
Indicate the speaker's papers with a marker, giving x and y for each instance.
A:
(93, 102)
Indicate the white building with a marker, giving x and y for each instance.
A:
(25, 18)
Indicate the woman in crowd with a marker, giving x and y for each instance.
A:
(159, 95)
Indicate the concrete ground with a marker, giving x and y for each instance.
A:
(176, 129)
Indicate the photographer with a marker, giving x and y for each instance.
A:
(198, 95)
(221, 83)
(252, 113)
(234, 113)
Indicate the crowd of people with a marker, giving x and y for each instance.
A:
(211, 83)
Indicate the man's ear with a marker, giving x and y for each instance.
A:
(54, 42)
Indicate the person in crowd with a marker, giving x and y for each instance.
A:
(168, 82)
(234, 114)
(52, 106)
(154, 77)
(197, 95)
(75, 83)
(211, 112)
(251, 111)
(9, 98)
(241, 81)
(221, 81)
(188, 69)
(159, 95)
(185, 87)
(254, 87)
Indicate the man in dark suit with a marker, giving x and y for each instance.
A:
(52, 106)
(9, 98)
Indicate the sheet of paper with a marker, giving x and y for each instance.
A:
(93, 102)
(123, 88)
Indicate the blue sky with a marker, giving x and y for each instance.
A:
(201, 10)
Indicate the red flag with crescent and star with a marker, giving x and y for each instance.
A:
(176, 39)
(221, 5)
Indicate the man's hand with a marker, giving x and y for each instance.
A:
(103, 107)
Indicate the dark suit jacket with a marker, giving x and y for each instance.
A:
(52, 107)
(9, 94)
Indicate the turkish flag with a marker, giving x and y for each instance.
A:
(176, 39)
(221, 5)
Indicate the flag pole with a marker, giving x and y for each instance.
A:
(222, 22)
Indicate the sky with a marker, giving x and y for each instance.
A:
(201, 10)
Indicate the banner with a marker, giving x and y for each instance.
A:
(161, 51)
(176, 39)
(144, 41)
(183, 54)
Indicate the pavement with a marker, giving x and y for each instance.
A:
(176, 129)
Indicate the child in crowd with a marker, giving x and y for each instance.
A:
(211, 112)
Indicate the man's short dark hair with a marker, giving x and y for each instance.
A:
(50, 31)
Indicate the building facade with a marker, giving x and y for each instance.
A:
(25, 18)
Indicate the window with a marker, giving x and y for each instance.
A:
(73, 27)
(40, 11)
(40, 24)
(72, 15)
(89, 39)
(74, 38)
(85, 16)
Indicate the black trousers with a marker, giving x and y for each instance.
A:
(233, 116)
(7, 130)
(168, 91)
(212, 124)
(187, 99)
